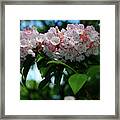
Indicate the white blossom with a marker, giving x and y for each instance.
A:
(55, 40)
(31, 53)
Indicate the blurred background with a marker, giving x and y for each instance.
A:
(44, 25)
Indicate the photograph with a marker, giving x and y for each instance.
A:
(59, 59)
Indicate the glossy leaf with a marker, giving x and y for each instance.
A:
(76, 82)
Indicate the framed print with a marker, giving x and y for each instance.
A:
(60, 59)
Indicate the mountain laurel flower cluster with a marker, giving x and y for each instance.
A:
(73, 43)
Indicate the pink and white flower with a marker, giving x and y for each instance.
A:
(73, 43)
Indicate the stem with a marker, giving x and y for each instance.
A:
(61, 63)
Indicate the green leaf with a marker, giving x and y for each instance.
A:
(43, 83)
(27, 63)
(43, 71)
(76, 81)
(32, 84)
(93, 71)
(39, 58)
(61, 63)
(24, 93)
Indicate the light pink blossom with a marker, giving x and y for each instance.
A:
(73, 43)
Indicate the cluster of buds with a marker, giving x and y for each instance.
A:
(73, 43)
